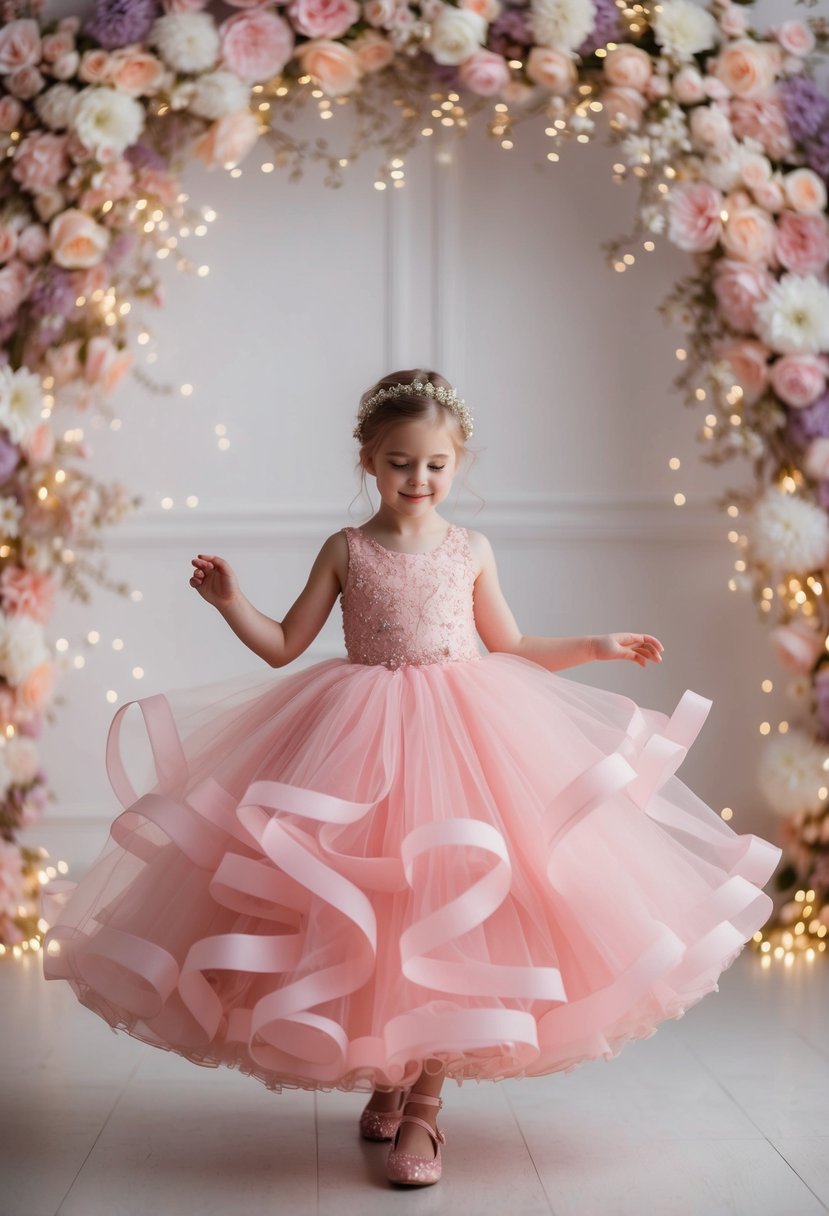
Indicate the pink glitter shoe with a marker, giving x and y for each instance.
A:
(381, 1124)
(408, 1167)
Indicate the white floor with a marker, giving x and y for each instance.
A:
(723, 1111)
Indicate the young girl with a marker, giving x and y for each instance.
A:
(417, 862)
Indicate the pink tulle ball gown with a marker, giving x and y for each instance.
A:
(420, 850)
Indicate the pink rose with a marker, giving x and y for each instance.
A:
(623, 106)
(96, 66)
(733, 21)
(715, 90)
(67, 66)
(25, 82)
(15, 281)
(137, 72)
(738, 287)
(802, 242)
(694, 216)
(55, 45)
(48, 203)
(76, 240)
(794, 37)
(228, 140)
(796, 645)
(755, 169)
(63, 362)
(763, 119)
(805, 191)
(657, 88)
(36, 689)
(114, 181)
(105, 364)
(552, 69)
(323, 18)
(33, 243)
(28, 592)
(688, 86)
(379, 13)
(749, 234)
(748, 360)
(628, 66)
(256, 45)
(710, 129)
(334, 66)
(8, 242)
(41, 161)
(19, 45)
(373, 50)
(11, 111)
(769, 195)
(816, 460)
(799, 379)
(747, 68)
(484, 73)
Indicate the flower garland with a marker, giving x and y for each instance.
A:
(724, 128)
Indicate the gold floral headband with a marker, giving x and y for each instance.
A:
(424, 388)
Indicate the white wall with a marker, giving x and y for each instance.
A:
(488, 265)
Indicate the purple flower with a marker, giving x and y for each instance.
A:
(143, 156)
(510, 33)
(120, 248)
(606, 29)
(54, 293)
(817, 154)
(810, 422)
(806, 107)
(119, 22)
(9, 458)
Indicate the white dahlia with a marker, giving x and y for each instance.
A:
(563, 24)
(683, 28)
(789, 533)
(21, 400)
(218, 93)
(187, 42)
(794, 318)
(107, 120)
(790, 772)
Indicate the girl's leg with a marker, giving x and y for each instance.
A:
(384, 1100)
(413, 1138)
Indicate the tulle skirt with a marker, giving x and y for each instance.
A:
(332, 876)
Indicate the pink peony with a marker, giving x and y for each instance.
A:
(27, 592)
(802, 242)
(41, 161)
(763, 119)
(323, 18)
(739, 286)
(796, 645)
(256, 45)
(228, 140)
(485, 73)
(20, 45)
(799, 379)
(694, 216)
(749, 234)
(333, 65)
(794, 37)
(748, 359)
(77, 241)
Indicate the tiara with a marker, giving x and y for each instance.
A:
(423, 388)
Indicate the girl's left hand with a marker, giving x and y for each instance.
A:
(639, 647)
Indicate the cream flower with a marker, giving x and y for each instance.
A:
(794, 318)
(789, 533)
(55, 107)
(106, 120)
(187, 42)
(563, 24)
(791, 772)
(22, 647)
(218, 93)
(21, 400)
(11, 514)
(456, 34)
(683, 28)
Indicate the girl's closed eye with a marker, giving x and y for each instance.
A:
(435, 468)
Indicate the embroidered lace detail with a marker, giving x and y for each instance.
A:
(409, 608)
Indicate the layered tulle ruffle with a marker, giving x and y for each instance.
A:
(336, 874)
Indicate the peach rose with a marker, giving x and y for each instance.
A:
(624, 106)
(323, 18)
(8, 242)
(11, 111)
(67, 66)
(228, 140)
(379, 13)
(802, 242)
(35, 691)
(816, 460)
(794, 37)
(796, 645)
(373, 50)
(334, 66)
(33, 243)
(485, 73)
(137, 72)
(105, 364)
(63, 362)
(25, 82)
(748, 359)
(710, 129)
(769, 195)
(749, 234)
(628, 66)
(688, 86)
(489, 9)
(738, 287)
(55, 45)
(20, 45)
(96, 66)
(799, 379)
(763, 119)
(41, 161)
(755, 169)
(694, 216)
(552, 69)
(805, 191)
(747, 68)
(256, 45)
(76, 240)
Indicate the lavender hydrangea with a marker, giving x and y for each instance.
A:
(509, 33)
(607, 28)
(809, 423)
(817, 154)
(806, 107)
(142, 155)
(54, 293)
(117, 23)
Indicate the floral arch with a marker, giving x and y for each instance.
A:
(724, 127)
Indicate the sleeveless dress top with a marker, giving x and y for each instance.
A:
(409, 608)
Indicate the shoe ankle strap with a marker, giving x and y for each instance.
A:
(427, 1099)
(435, 1132)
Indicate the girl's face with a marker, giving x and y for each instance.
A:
(414, 465)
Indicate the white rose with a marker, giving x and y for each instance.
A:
(456, 34)
(106, 120)
(218, 93)
(188, 42)
(22, 647)
(55, 107)
(563, 24)
(684, 28)
(21, 400)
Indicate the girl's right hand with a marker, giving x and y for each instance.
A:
(214, 580)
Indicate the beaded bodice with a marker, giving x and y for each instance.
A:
(402, 608)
